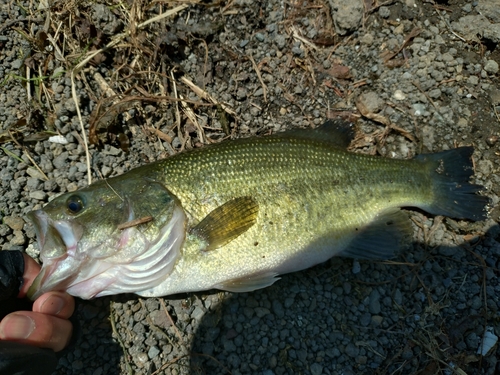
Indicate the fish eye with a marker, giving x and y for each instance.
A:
(74, 204)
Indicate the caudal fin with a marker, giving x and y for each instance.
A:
(454, 195)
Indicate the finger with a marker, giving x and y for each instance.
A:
(55, 303)
(44, 331)
(31, 270)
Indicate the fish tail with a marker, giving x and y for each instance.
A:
(453, 195)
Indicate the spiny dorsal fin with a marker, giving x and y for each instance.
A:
(227, 222)
(338, 132)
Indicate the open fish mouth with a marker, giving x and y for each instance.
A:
(57, 241)
(88, 270)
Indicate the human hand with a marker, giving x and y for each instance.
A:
(47, 325)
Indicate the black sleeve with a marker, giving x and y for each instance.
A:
(11, 273)
(21, 359)
(11, 280)
(16, 358)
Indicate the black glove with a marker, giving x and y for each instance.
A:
(11, 274)
(16, 358)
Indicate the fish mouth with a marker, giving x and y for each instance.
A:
(123, 261)
(57, 242)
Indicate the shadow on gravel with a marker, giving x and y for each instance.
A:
(94, 351)
(425, 309)
(416, 314)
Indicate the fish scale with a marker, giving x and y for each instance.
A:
(326, 195)
(235, 215)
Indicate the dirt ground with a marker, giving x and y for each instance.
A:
(91, 89)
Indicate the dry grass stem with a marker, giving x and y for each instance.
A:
(25, 152)
(259, 76)
(300, 38)
(119, 339)
(103, 85)
(177, 111)
(82, 126)
(205, 95)
(192, 117)
(118, 38)
(177, 332)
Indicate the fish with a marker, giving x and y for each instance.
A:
(237, 214)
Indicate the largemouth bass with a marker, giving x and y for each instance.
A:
(235, 215)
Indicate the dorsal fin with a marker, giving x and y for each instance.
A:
(337, 132)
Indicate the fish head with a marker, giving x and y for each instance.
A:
(120, 235)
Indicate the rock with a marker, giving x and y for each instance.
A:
(34, 184)
(89, 311)
(352, 350)
(347, 15)
(14, 222)
(241, 93)
(494, 95)
(384, 12)
(297, 51)
(160, 319)
(280, 41)
(485, 167)
(278, 309)
(38, 194)
(375, 302)
(492, 32)
(491, 67)
(377, 320)
(473, 27)
(61, 160)
(399, 95)
(356, 267)
(372, 101)
(153, 352)
(490, 9)
(473, 80)
(316, 369)
(366, 319)
(16, 64)
(367, 39)
(102, 15)
(435, 93)
(198, 313)
(70, 106)
(470, 26)
(18, 238)
(141, 359)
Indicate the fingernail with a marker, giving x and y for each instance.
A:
(52, 305)
(17, 327)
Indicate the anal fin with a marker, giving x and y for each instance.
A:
(250, 283)
(390, 232)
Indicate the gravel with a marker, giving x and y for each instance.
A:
(421, 313)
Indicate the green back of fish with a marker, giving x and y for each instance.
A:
(313, 200)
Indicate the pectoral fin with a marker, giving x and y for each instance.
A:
(250, 283)
(227, 222)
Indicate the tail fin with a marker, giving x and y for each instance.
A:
(454, 195)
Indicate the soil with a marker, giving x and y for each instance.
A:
(416, 77)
